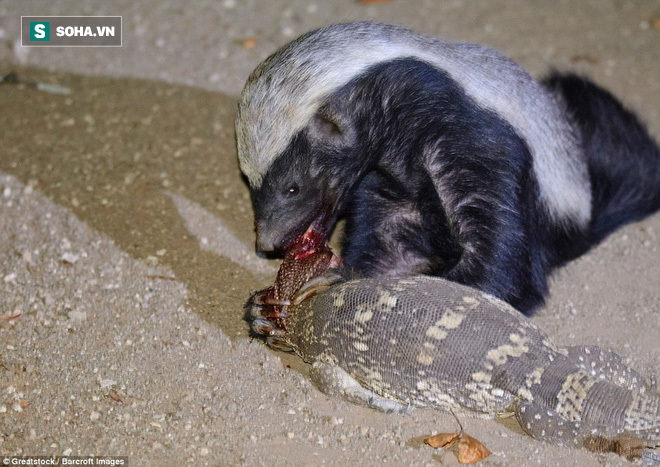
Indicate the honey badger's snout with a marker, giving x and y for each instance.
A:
(267, 242)
(275, 235)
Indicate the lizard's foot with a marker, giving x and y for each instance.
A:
(335, 381)
(628, 446)
(266, 316)
(545, 424)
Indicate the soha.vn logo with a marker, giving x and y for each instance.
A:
(39, 31)
(80, 31)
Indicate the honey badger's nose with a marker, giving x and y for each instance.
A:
(267, 240)
(265, 246)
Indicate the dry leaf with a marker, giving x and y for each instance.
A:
(8, 317)
(655, 22)
(250, 43)
(115, 396)
(442, 440)
(153, 277)
(471, 450)
(584, 58)
(119, 396)
(23, 403)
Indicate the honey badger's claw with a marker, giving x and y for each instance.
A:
(260, 297)
(278, 343)
(266, 327)
(276, 302)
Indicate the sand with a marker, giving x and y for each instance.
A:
(127, 242)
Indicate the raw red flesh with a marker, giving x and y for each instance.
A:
(308, 257)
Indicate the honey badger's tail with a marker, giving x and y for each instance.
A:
(623, 159)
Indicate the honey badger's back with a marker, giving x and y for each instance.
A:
(394, 343)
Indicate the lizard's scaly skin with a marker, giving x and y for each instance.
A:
(397, 343)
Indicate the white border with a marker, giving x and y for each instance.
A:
(121, 22)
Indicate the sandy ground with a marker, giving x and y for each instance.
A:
(126, 237)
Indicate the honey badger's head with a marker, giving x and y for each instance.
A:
(308, 184)
(296, 133)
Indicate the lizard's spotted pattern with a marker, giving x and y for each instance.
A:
(395, 344)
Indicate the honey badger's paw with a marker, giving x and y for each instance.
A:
(266, 314)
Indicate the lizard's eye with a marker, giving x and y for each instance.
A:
(292, 191)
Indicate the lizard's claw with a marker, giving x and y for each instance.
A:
(266, 316)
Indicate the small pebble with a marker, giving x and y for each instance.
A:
(107, 383)
(10, 277)
(77, 315)
(69, 258)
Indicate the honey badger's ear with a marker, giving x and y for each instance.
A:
(330, 126)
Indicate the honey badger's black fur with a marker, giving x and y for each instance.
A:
(622, 158)
(433, 180)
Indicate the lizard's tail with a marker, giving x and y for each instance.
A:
(642, 418)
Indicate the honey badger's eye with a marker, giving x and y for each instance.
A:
(292, 191)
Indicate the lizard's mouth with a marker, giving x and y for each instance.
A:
(315, 237)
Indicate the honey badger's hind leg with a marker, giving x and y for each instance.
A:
(335, 381)
(622, 157)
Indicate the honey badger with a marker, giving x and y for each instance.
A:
(446, 159)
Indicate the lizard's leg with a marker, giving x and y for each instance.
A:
(547, 425)
(628, 446)
(334, 381)
(265, 315)
(610, 365)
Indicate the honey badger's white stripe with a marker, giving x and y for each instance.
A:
(285, 91)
